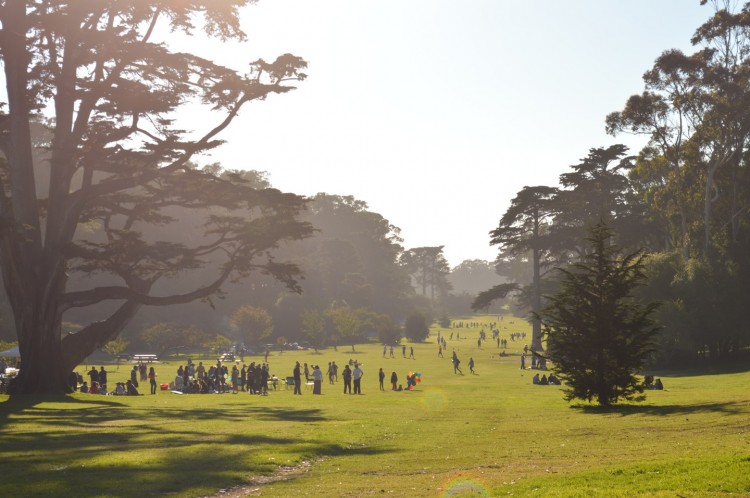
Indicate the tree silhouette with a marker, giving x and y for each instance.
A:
(118, 160)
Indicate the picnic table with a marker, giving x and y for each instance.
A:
(147, 358)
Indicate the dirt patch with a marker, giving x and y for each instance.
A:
(284, 473)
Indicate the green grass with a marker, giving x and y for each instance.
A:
(490, 434)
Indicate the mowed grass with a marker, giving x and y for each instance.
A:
(489, 434)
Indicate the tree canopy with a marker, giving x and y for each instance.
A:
(118, 160)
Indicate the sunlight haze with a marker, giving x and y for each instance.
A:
(437, 113)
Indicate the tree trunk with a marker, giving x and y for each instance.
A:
(536, 293)
(43, 369)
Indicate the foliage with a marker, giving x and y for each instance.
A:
(217, 343)
(598, 337)
(472, 276)
(4, 345)
(119, 160)
(416, 328)
(252, 324)
(350, 323)
(115, 346)
(313, 328)
(429, 268)
(388, 333)
(167, 336)
(486, 298)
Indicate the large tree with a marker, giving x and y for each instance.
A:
(118, 160)
(523, 230)
(252, 324)
(598, 336)
(429, 268)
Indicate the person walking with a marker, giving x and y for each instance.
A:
(456, 363)
(152, 379)
(357, 376)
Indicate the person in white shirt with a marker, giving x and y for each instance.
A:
(357, 376)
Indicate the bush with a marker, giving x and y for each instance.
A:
(416, 329)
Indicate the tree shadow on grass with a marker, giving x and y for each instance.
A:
(19, 404)
(65, 446)
(728, 408)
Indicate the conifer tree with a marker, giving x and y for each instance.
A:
(598, 336)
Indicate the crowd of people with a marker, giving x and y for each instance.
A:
(256, 378)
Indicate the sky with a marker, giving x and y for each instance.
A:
(436, 112)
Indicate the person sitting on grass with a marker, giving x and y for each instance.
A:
(94, 388)
(535, 379)
(658, 385)
(119, 389)
(553, 380)
(131, 389)
(84, 387)
(544, 381)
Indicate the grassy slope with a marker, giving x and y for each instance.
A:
(474, 435)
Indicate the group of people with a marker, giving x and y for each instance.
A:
(99, 383)
(348, 374)
(219, 378)
(650, 383)
(545, 381)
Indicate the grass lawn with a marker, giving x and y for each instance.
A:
(489, 434)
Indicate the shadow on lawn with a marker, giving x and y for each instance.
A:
(725, 408)
(100, 447)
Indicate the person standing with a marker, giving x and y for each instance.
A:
(381, 378)
(297, 374)
(317, 380)
(471, 365)
(134, 376)
(347, 375)
(152, 379)
(93, 375)
(307, 373)
(357, 376)
(103, 378)
(411, 352)
(394, 380)
(329, 373)
(235, 378)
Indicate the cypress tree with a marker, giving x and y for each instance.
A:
(598, 335)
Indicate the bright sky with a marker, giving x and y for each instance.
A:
(437, 112)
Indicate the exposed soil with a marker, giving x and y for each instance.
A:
(253, 487)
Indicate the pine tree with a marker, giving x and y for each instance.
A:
(598, 336)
